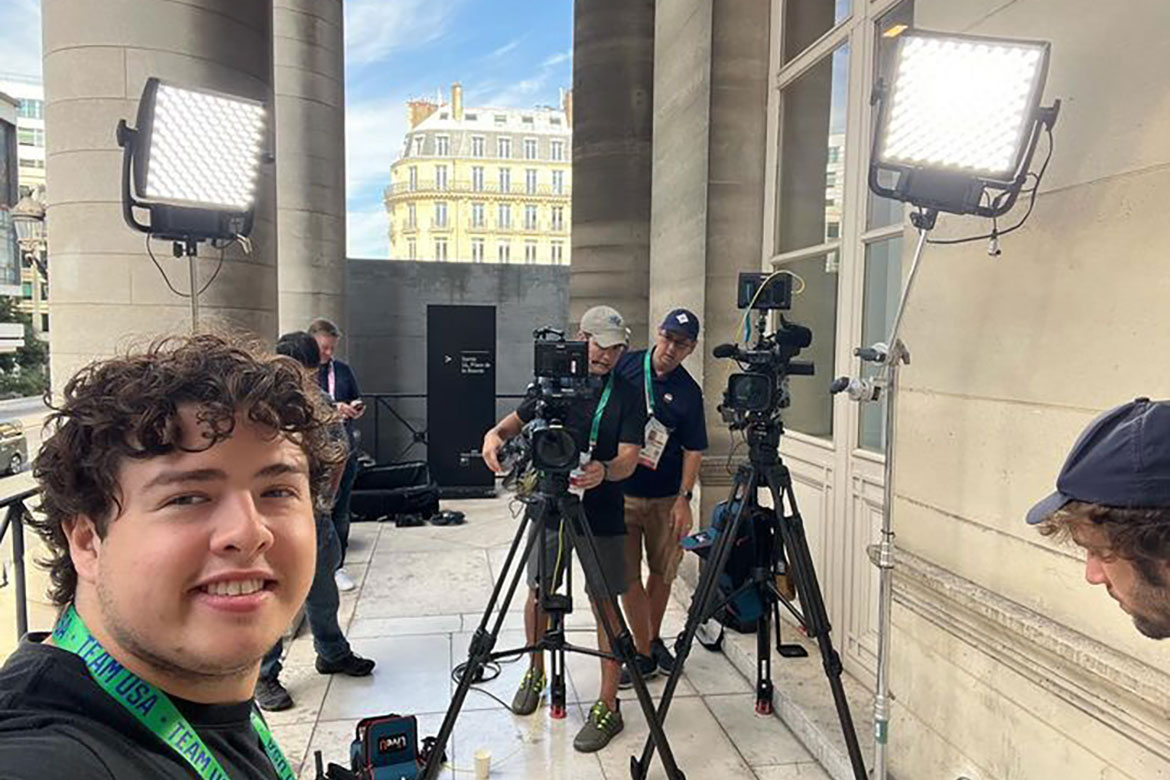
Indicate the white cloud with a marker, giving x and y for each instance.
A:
(526, 92)
(557, 59)
(507, 47)
(376, 28)
(367, 233)
(374, 131)
(20, 37)
(519, 94)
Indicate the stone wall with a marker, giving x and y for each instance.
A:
(385, 334)
(1006, 663)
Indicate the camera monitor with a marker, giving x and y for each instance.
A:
(776, 294)
(561, 359)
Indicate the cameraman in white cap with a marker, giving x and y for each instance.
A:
(609, 427)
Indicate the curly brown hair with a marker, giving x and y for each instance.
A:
(1141, 535)
(128, 407)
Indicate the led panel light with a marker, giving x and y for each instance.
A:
(962, 104)
(199, 148)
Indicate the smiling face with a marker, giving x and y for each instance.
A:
(209, 559)
(1141, 590)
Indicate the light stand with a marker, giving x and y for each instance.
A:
(939, 175)
(192, 162)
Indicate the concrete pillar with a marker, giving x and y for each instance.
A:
(613, 75)
(710, 126)
(97, 57)
(309, 82)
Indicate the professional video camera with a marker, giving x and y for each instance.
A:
(757, 555)
(561, 370)
(760, 391)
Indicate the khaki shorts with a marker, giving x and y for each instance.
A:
(558, 549)
(648, 525)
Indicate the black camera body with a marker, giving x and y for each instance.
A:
(561, 370)
(760, 391)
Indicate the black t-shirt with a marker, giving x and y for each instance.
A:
(678, 404)
(55, 722)
(624, 421)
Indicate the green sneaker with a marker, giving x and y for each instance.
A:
(602, 725)
(527, 697)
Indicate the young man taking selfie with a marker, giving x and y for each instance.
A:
(178, 488)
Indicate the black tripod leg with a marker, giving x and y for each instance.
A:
(700, 602)
(482, 643)
(812, 604)
(790, 650)
(556, 627)
(621, 642)
(764, 660)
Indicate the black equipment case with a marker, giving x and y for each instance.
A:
(396, 489)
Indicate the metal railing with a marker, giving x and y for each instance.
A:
(14, 518)
(468, 186)
(384, 403)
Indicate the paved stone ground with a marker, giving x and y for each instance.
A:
(421, 593)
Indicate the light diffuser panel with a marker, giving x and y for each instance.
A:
(204, 149)
(961, 104)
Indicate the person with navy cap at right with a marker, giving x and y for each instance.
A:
(1113, 499)
(658, 495)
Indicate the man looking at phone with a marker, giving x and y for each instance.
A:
(337, 379)
(334, 655)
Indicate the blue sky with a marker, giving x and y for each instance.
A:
(506, 53)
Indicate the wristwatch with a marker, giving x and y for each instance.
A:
(690, 494)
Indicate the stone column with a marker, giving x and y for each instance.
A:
(613, 75)
(309, 81)
(710, 125)
(97, 57)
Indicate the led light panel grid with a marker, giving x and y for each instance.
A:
(961, 104)
(204, 148)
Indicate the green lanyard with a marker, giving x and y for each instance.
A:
(151, 706)
(649, 384)
(600, 411)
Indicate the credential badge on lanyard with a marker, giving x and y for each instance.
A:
(656, 434)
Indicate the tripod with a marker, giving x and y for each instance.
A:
(764, 469)
(553, 507)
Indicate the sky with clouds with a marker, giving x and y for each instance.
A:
(506, 53)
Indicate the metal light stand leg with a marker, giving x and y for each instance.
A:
(890, 358)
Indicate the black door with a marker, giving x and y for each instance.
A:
(461, 396)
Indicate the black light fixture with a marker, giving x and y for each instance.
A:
(958, 126)
(192, 162)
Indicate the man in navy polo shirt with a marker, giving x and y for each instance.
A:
(658, 494)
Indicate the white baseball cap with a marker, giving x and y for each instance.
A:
(606, 326)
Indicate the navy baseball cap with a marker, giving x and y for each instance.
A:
(1121, 460)
(683, 322)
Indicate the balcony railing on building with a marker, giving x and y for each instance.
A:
(429, 187)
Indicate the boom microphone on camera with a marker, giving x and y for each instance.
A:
(725, 351)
